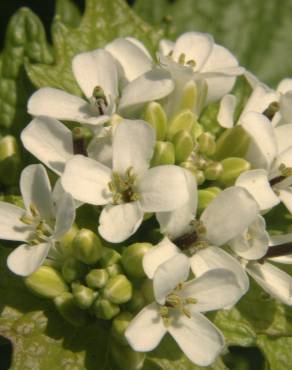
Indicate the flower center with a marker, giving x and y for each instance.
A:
(175, 301)
(41, 230)
(123, 187)
(284, 173)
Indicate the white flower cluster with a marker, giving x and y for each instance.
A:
(149, 156)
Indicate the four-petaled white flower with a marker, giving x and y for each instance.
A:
(129, 188)
(46, 218)
(116, 79)
(178, 309)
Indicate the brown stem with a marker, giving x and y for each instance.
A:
(79, 142)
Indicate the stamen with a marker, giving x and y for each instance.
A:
(182, 59)
(79, 142)
(99, 99)
(272, 109)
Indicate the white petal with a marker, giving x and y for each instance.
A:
(254, 245)
(96, 68)
(259, 100)
(284, 137)
(36, 190)
(285, 196)
(101, 149)
(273, 280)
(257, 184)
(285, 107)
(263, 147)
(11, 228)
(118, 222)
(166, 46)
(65, 215)
(168, 275)
(139, 45)
(59, 104)
(196, 46)
(177, 222)
(133, 59)
(153, 85)
(285, 85)
(214, 258)
(50, 141)
(220, 58)
(226, 111)
(146, 330)
(278, 240)
(214, 290)
(228, 215)
(133, 145)
(157, 255)
(87, 180)
(26, 259)
(283, 158)
(198, 338)
(163, 188)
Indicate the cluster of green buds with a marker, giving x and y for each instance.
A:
(10, 163)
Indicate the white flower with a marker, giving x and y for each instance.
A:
(130, 188)
(177, 311)
(123, 65)
(48, 216)
(197, 52)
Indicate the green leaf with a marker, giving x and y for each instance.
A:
(25, 40)
(277, 351)
(102, 22)
(258, 32)
(68, 12)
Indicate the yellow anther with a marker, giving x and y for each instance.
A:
(33, 210)
(182, 59)
(164, 311)
(26, 219)
(186, 312)
(191, 63)
(191, 300)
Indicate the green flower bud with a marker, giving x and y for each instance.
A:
(97, 278)
(84, 296)
(213, 171)
(182, 121)
(126, 358)
(147, 290)
(114, 270)
(200, 177)
(163, 154)
(189, 96)
(183, 145)
(109, 257)
(119, 326)
(207, 144)
(197, 130)
(205, 197)
(233, 142)
(46, 282)
(132, 258)
(73, 270)
(118, 289)
(10, 160)
(87, 247)
(232, 168)
(104, 309)
(156, 116)
(65, 304)
(137, 302)
(188, 165)
(64, 244)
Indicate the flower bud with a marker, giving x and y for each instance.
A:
(67, 307)
(182, 121)
(155, 115)
(197, 130)
(232, 168)
(109, 257)
(137, 301)
(188, 165)
(189, 96)
(87, 247)
(119, 326)
(147, 290)
(163, 154)
(118, 289)
(84, 296)
(200, 177)
(233, 142)
(73, 270)
(207, 144)
(213, 171)
(114, 270)
(183, 145)
(46, 282)
(97, 278)
(126, 358)
(64, 245)
(132, 258)
(104, 309)
(10, 160)
(205, 197)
